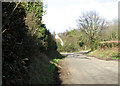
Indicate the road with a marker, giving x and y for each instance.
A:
(78, 68)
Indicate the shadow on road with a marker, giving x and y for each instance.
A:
(76, 53)
(84, 52)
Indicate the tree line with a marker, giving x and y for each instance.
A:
(92, 29)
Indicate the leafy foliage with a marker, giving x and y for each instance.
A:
(111, 32)
(92, 30)
(92, 25)
(69, 44)
(27, 44)
(59, 46)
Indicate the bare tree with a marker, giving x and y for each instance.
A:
(91, 24)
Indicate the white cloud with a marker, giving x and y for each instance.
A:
(62, 14)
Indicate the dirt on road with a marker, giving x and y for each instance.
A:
(78, 68)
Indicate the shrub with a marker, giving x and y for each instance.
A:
(69, 47)
(59, 46)
(94, 45)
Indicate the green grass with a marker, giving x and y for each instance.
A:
(106, 53)
(55, 63)
(48, 77)
(56, 60)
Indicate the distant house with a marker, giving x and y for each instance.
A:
(57, 37)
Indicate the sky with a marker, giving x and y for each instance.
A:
(62, 15)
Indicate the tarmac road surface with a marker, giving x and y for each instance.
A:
(78, 68)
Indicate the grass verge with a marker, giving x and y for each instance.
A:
(107, 54)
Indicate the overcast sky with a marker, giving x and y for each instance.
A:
(63, 14)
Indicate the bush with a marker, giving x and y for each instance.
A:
(69, 47)
(59, 46)
(94, 45)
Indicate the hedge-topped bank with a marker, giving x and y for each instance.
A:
(108, 44)
(27, 45)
